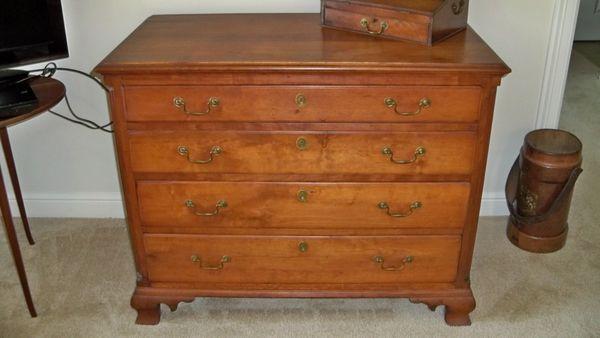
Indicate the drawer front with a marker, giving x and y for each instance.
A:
(427, 153)
(239, 259)
(376, 21)
(303, 205)
(302, 104)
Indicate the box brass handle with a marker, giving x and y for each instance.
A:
(383, 26)
(411, 209)
(179, 103)
(458, 8)
(222, 204)
(423, 103)
(380, 260)
(419, 152)
(185, 152)
(224, 260)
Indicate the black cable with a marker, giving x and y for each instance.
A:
(48, 71)
(81, 121)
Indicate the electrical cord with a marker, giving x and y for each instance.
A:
(48, 71)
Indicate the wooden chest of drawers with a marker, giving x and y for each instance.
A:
(258, 161)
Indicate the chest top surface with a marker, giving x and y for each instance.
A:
(284, 42)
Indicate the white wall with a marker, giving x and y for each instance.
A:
(68, 171)
(588, 23)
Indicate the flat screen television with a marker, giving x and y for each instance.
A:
(31, 31)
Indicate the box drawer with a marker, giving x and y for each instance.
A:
(405, 153)
(385, 23)
(302, 103)
(240, 259)
(303, 205)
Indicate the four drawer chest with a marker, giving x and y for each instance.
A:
(262, 155)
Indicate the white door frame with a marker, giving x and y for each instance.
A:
(558, 56)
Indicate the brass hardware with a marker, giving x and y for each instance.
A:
(222, 204)
(302, 196)
(419, 152)
(224, 260)
(383, 26)
(458, 8)
(179, 103)
(301, 101)
(423, 103)
(303, 247)
(526, 200)
(381, 261)
(413, 206)
(214, 151)
(302, 143)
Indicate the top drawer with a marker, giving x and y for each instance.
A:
(302, 103)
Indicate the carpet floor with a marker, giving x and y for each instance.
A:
(81, 274)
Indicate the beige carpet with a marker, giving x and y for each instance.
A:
(82, 276)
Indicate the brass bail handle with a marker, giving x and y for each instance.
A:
(458, 8)
(423, 104)
(179, 103)
(185, 152)
(419, 152)
(383, 26)
(411, 209)
(380, 260)
(224, 260)
(222, 204)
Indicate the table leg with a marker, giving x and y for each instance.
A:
(14, 246)
(12, 170)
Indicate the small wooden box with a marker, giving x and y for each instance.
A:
(421, 21)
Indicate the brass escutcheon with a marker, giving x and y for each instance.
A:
(301, 100)
(303, 246)
(302, 143)
(302, 196)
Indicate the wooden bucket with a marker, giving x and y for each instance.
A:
(539, 190)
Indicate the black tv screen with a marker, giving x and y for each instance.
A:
(31, 31)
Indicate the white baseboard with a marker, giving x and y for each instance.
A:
(110, 205)
(493, 204)
(101, 205)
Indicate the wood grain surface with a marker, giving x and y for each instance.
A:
(323, 103)
(278, 259)
(327, 205)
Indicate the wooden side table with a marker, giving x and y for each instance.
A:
(49, 93)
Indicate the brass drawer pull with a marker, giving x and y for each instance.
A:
(381, 261)
(419, 152)
(458, 8)
(222, 204)
(411, 209)
(214, 151)
(179, 103)
(224, 260)
(423, 103)
(383, 26)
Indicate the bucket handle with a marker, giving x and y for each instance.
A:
(511, 190)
